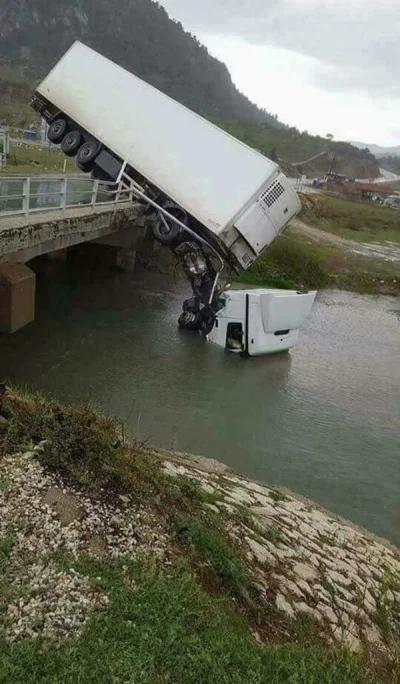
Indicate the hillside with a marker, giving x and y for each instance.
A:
(139, 35)
(289, 145)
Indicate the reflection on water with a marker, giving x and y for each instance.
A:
(323, 419)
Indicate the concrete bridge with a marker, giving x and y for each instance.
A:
(50, 214)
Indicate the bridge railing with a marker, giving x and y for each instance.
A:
(24, 195)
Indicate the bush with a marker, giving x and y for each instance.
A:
(79, 443)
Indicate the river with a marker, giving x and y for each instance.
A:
(323, 420)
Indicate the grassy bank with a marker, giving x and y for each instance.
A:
(295, 262)
(166, 628)
(195, 615)
(28, 160)
(359, 221)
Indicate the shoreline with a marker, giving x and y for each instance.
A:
(74, 495)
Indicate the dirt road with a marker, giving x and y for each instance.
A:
(386, 251)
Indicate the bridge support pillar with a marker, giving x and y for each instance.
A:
(17, 296)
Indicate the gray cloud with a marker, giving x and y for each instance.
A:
(357, 44)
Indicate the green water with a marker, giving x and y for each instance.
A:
(323, 420)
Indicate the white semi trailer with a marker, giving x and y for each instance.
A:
(211, 198)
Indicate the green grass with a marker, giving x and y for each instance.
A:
(30, 160)
(360, 221)
(296, 262)
(288, 264)
(211, 546)
(4, 484)
(165, 628)
(93, 452)
(5, 550)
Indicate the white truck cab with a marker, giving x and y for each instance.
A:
(261, 321)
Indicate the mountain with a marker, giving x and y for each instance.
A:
(139, 35)
(378, 150)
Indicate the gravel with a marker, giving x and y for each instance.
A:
(42, 599)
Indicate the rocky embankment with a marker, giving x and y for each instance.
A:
(305, 563)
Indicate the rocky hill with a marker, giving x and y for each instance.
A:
(139, 35)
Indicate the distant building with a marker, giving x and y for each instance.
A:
(371, 191)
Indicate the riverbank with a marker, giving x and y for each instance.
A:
(121, 562)
(302, 258)
(335, 243)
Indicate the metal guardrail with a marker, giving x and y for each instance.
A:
(25, 195)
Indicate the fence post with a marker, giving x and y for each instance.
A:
(26, 191)
(118, 193)
(63, 193)
(95, 190)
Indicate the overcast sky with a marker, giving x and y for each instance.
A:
(326, 66)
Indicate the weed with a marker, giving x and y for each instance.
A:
(277, 496)
(6, 545)
(211, 546)
(79, 443)
(329, 539)
(272, 533)
(388, 614)
(4, 484)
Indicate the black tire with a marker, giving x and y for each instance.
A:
(88, 153)
(165, 231)
(83, 167)
(71, 143)
(57, 131)
(189, 321)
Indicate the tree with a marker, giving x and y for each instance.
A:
(329, 136)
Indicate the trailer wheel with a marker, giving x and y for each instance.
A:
(88, 153)
(57, 131)
(71, 143)
(165, 230)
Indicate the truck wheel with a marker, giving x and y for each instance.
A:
(57, 131)
(84, 168)
(189, 321)
(166, 231)
(88, 153)
(71, 143)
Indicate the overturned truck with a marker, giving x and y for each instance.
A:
(211, 199)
